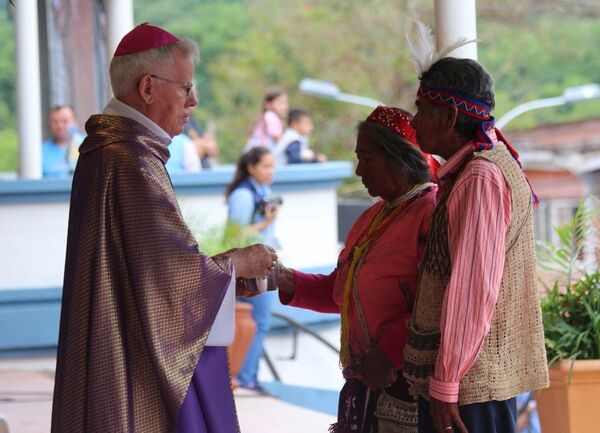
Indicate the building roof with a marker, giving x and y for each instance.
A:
(572, 146)
(583, 135)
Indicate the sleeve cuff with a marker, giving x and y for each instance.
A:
(443, 391)
(286, 299)
(223, 261)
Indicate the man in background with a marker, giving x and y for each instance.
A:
(60, 151)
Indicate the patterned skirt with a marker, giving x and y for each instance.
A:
(361, 410)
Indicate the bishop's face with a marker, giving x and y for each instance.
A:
(175, 96)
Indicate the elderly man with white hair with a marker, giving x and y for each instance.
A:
(476, 339)
(146, 316)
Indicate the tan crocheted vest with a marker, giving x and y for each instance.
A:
(513, 358)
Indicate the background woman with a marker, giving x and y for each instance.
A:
(374, 283)
(254, 210)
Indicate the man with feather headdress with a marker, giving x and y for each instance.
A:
(476, 338)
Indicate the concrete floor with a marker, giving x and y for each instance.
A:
(26, 404)
(26, 386)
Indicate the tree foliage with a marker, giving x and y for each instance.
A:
(571, 306)
(534, 49)
(7, 69)
(8, 136)
(358, 48)
(555, 53)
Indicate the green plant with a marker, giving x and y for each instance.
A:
(215, 239)
(9, 152)
(571, 305)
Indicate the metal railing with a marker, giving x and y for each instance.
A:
(523, 411)
(297, 327)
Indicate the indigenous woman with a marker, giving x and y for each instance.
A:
(374, 283)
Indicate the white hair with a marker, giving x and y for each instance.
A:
(127, 70)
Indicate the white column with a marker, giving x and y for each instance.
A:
(119, 20)
(456, 19)
(29, 102)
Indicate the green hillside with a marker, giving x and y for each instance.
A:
(534, 49)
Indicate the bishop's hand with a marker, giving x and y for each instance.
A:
(254, 261)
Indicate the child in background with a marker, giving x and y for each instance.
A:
(268, 129)
(293, 148)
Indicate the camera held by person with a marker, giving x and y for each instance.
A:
(272, 202)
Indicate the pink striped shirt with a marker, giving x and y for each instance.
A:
(479, 208)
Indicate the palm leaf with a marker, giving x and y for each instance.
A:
(571, 306)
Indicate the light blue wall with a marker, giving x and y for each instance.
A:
(287, 178)
(29, 317)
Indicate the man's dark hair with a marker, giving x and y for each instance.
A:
(295, 115)
(60, 107)
(403, 155)
(464, 76)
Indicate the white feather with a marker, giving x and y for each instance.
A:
(422, 46)
(444, 51)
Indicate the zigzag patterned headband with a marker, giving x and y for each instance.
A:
(470, 107)
(475, 109)
(467, 106)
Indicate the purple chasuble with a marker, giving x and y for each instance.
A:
(208, 406)
(139, 297)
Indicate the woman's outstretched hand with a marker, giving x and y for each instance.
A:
(285, 281)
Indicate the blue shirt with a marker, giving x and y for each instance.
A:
(183, 157)
(241, 210)
(176, 150)
(55, 158)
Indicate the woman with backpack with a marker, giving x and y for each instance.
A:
(253, 209)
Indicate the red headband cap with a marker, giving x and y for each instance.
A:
(142, 38)
(396, 120)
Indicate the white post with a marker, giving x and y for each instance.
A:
(456, 19)
(29, 102)
(119, 21)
